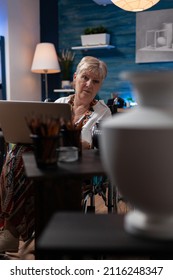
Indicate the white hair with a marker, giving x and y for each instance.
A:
(92, 64)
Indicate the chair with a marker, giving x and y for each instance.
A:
(99, 185)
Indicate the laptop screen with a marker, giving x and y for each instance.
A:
(13, 116)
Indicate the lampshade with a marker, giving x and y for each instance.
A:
(45, 59)
(135, 5)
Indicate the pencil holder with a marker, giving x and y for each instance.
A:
(45, 149)
(72, 138)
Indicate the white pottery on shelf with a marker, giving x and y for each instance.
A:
(95, 39)
(168, 27)
(65, 84)
(137, 152)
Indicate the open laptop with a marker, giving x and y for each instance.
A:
(13, 116)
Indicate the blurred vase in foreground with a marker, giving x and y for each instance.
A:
(137, 152)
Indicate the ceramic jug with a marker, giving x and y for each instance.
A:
(137, 152)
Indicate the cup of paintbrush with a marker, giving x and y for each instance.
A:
(45, 137)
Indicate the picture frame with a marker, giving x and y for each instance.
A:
(154, 36)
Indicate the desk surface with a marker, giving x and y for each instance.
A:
(89, 164)
(75, 233)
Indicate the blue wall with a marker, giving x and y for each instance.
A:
(76, 15)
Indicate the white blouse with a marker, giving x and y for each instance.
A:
(101, 111)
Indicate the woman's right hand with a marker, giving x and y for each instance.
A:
(86, 145)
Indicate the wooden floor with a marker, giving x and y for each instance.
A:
(28, 253)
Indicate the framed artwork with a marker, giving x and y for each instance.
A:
(154, 36)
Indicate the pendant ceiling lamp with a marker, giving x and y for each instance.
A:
(135, 5)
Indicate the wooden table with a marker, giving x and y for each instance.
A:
(59, 189)
(89, 164)
(75, 236)
(73, 233)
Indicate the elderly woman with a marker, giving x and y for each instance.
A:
(87, 81)
(16, 190)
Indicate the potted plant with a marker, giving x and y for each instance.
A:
(95, 36)
(66, 58)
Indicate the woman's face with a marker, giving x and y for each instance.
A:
(87, 84)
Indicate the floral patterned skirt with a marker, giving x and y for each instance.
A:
(17, 193)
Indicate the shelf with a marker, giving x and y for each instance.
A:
(94, 47)
(157, 49)
(64, 90)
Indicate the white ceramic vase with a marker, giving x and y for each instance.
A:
(137, 151)
(168, 27)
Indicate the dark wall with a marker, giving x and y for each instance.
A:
(2, 65)
(49, 33)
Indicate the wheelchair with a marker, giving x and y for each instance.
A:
(98, 185)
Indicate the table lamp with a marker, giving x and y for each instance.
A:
(45, 62)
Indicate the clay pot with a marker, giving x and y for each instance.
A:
(137, 152)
